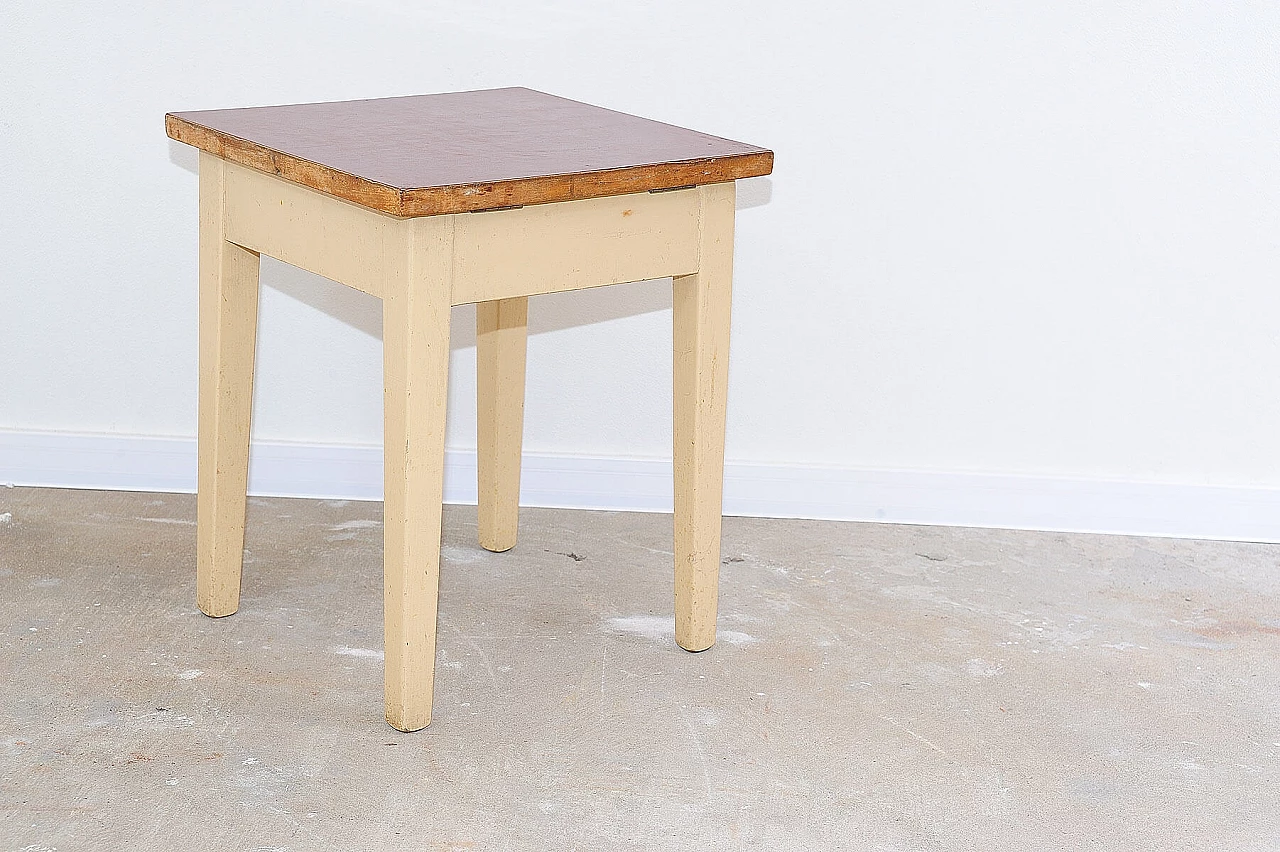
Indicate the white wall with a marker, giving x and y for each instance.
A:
(1005, 238)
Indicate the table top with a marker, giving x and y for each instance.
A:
(465, 151)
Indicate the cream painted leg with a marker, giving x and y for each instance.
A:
(416, 374)
(228, 328)
(501, 336)
(701, 310)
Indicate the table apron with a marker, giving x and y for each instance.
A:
(570, 245)
(497, 254)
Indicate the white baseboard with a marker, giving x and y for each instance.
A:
(144, 463)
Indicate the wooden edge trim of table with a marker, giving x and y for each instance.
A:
(431, 201)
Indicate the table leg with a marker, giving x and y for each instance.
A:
(701, 323)
(228, 329)
(416, 375)
(501, 343)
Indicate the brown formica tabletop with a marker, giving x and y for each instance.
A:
(466, 151)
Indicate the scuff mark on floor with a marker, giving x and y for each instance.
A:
(367, 653)
(662, 628)
(358, 524)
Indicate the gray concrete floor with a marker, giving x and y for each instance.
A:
(875, 687)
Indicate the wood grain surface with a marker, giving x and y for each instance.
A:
(466, 151)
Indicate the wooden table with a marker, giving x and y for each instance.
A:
(439, 200)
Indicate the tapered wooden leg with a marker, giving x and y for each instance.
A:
(701, 311)
(228, 328)
(416, 375)
(501, 338)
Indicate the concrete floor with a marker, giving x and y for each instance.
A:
(875, 687)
